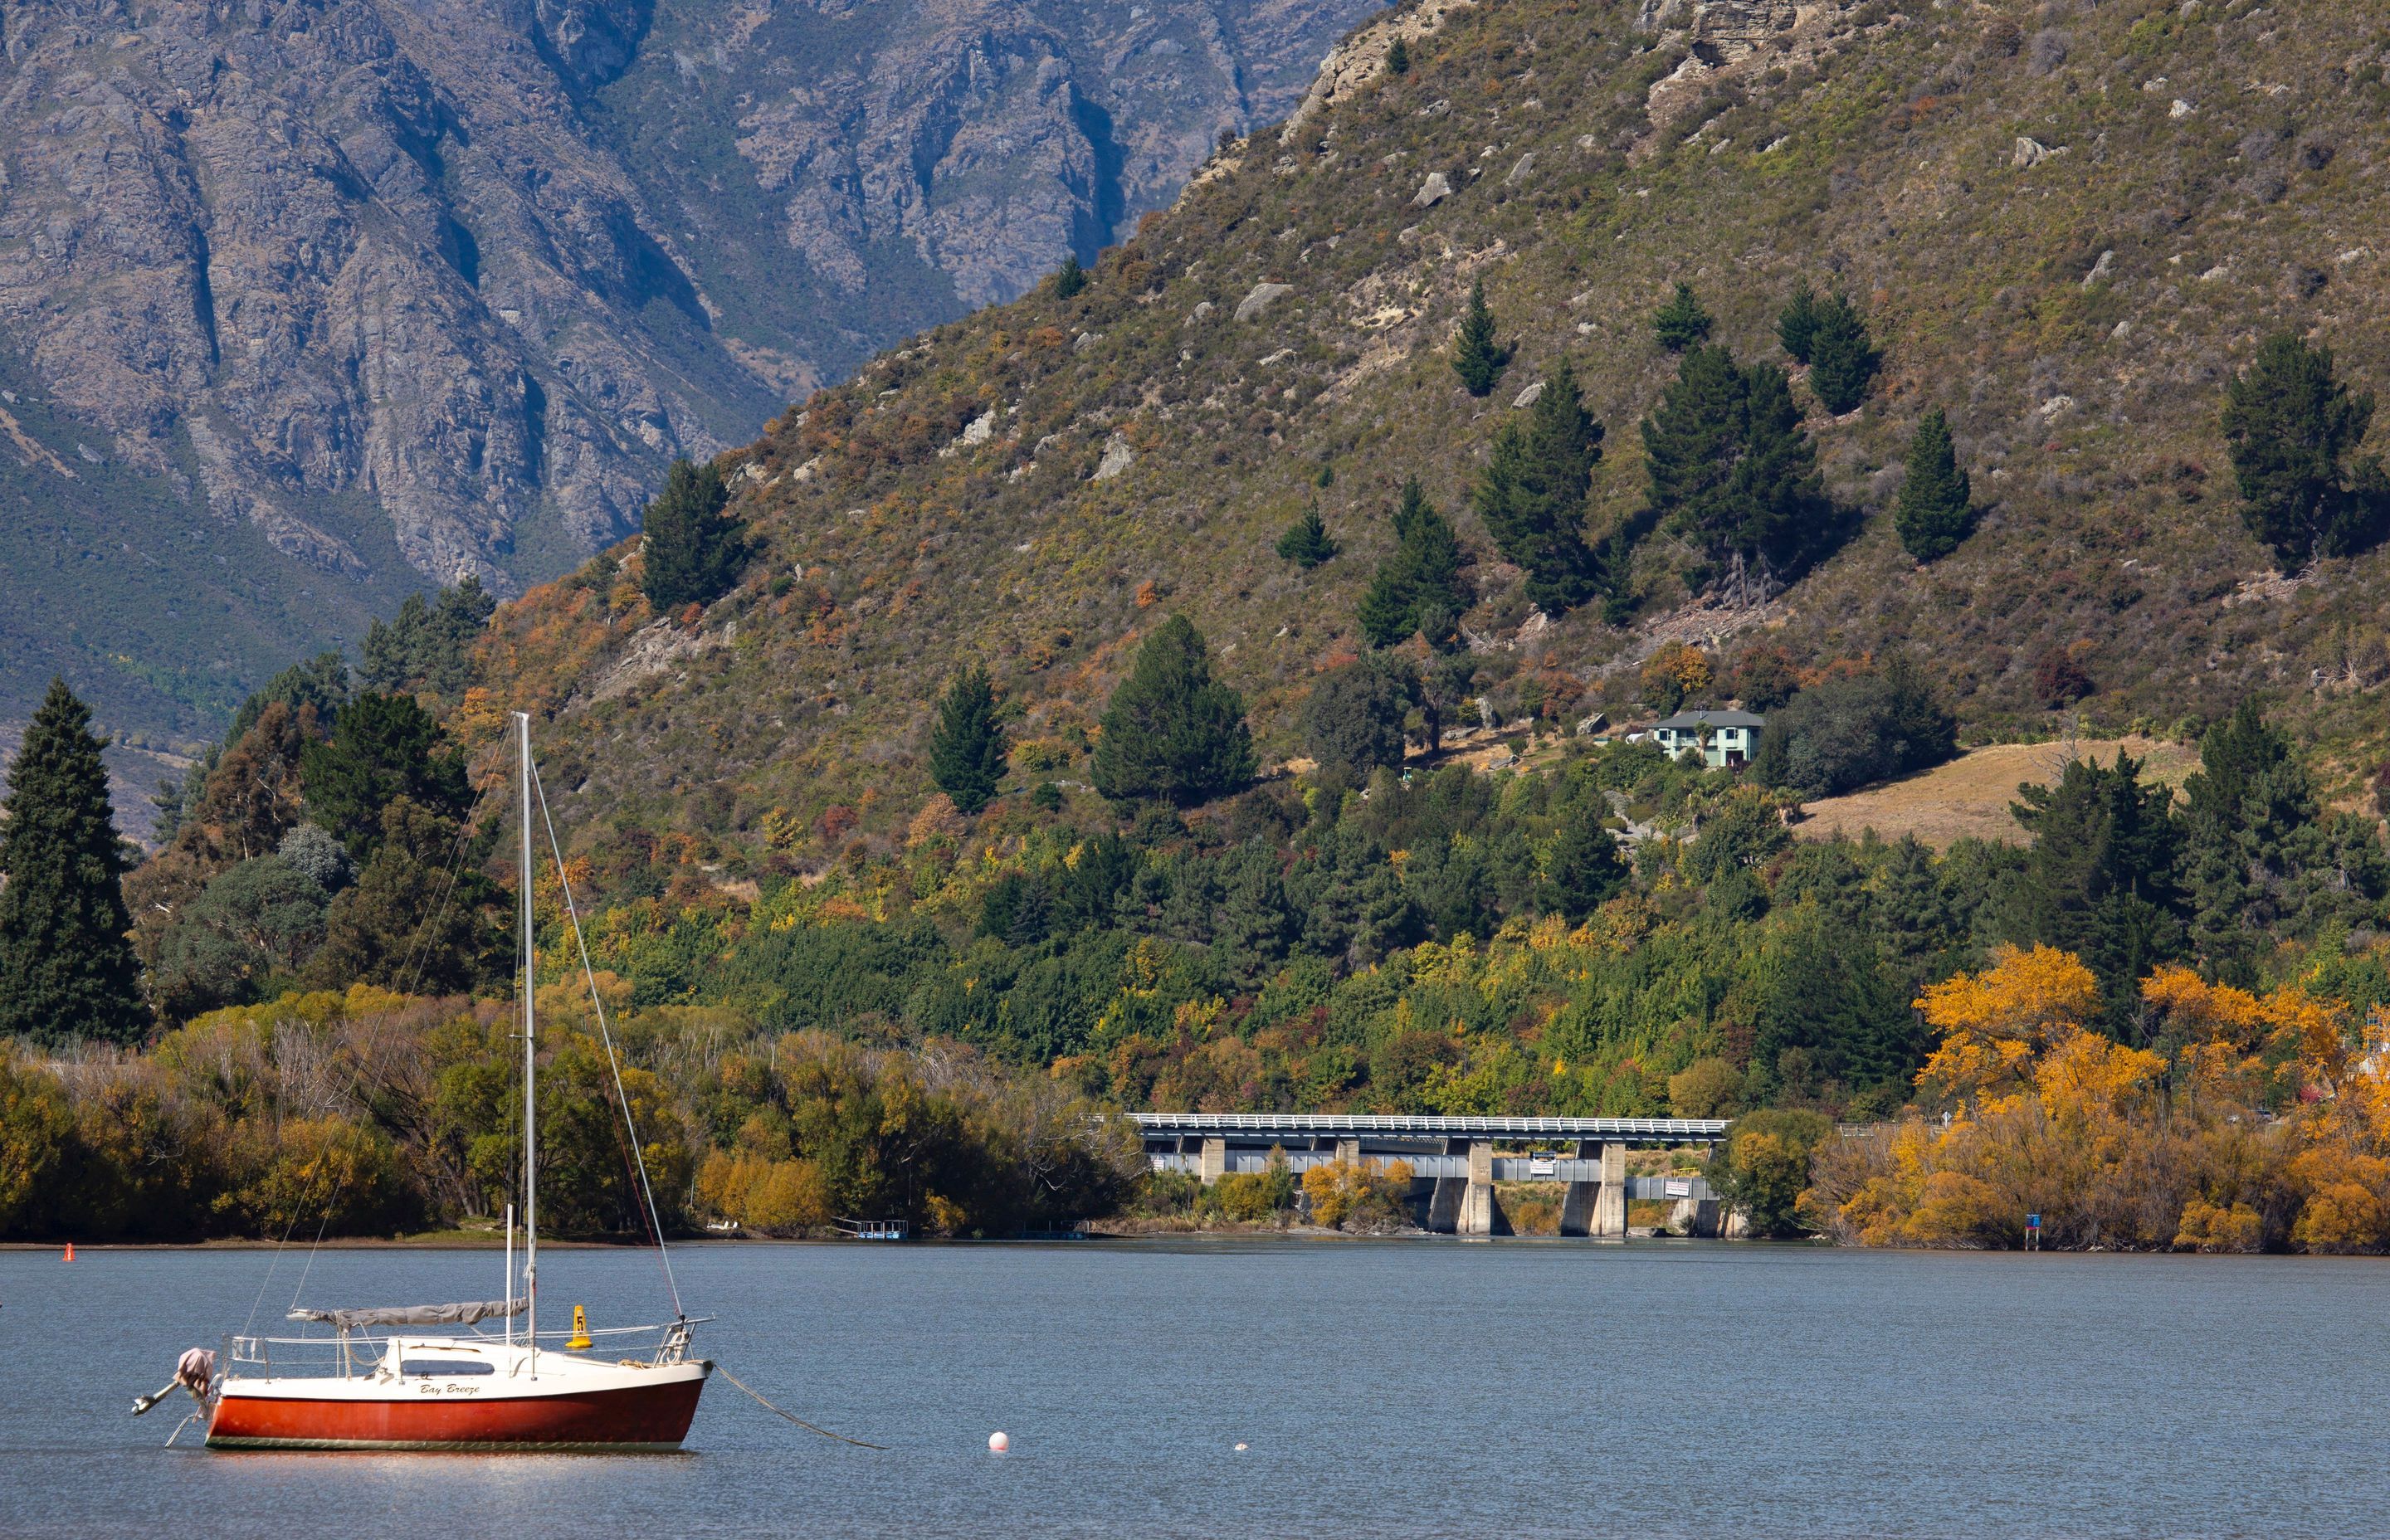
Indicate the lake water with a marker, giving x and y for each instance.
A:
(1383, 1390)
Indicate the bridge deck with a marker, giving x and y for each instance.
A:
(1248, 1127)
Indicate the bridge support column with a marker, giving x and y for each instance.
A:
(1349, 1151)
(1480, 1212)
(1609, 1206)
(1695, 1216)
(1445, 1204)
(1214, 1163)
(1578, 1201)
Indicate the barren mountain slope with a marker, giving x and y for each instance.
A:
(2066, 226)
(418, 289)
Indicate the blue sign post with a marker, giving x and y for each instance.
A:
(2032, 1232)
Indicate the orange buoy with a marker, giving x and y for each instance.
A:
(70, 1250)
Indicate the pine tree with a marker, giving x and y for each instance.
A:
(67, 968)
(1070, 278)
(1305, 542)
(1583, 869)
(1731, 467)
(1933, 515)
(967, 746)
(1843, 362)
(384, 746)
(2291, 427)
(1475, 357)
(1399, 58)
(1780, 514)
(1796, 324)
(1171, 732)
(693, 553)
(1253, 923)
(1420, 588)
(2101, 880)
(1691, 439)
(2258, 855)
(1681, 323)
(1353, 719)
(1532, 494)
(429, 643)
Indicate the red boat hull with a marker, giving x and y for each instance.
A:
(637, 1417)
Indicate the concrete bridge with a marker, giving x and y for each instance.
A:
(1454, 1161)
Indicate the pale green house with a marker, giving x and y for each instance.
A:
(1725, 738)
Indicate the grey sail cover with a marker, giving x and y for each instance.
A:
(413, 1315)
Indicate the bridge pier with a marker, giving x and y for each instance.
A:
(1695, 1216)
(1481, 1213)
(1609, 1206)
(1349, 1151)
(1597, 1208)
(1215, 1162)
(1445, 1203)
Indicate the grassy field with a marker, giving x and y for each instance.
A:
(1970, 795)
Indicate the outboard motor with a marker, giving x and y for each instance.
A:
(194, 1371)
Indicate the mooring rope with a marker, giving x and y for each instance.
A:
(790, 1416)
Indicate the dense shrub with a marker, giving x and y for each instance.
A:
(1842, 734)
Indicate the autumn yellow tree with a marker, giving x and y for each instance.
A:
(1674, 674)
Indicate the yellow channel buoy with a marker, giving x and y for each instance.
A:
(580, 1330)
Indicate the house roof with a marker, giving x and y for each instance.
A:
(1686, 720)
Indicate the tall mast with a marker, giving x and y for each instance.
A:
(530, 1138)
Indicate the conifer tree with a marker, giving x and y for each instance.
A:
(1796, 324)
(1070, 278)
(384, 746)
(2291, 427)
(1420, 588)
(693, 553)
(1781, 514)
(1842, 361)
(1681, 323)
(1532, 494)
(1934, 514)
(1173, 733)
(1305, 542)
(1731, 467)
(967, 746)
(1583, 869)
(1399, 58)
(67, 968)
(2101, 880)
(1476, 358)
(1691, 439)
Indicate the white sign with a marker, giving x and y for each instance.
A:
(1678, 1188)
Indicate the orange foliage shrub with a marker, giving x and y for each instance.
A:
(2122, 1147)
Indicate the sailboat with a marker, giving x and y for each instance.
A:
(383, 1381)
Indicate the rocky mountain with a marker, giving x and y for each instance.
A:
(2064, 226)
(304, 304)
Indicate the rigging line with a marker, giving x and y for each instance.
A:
(790, 1416)
(613, 1062)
